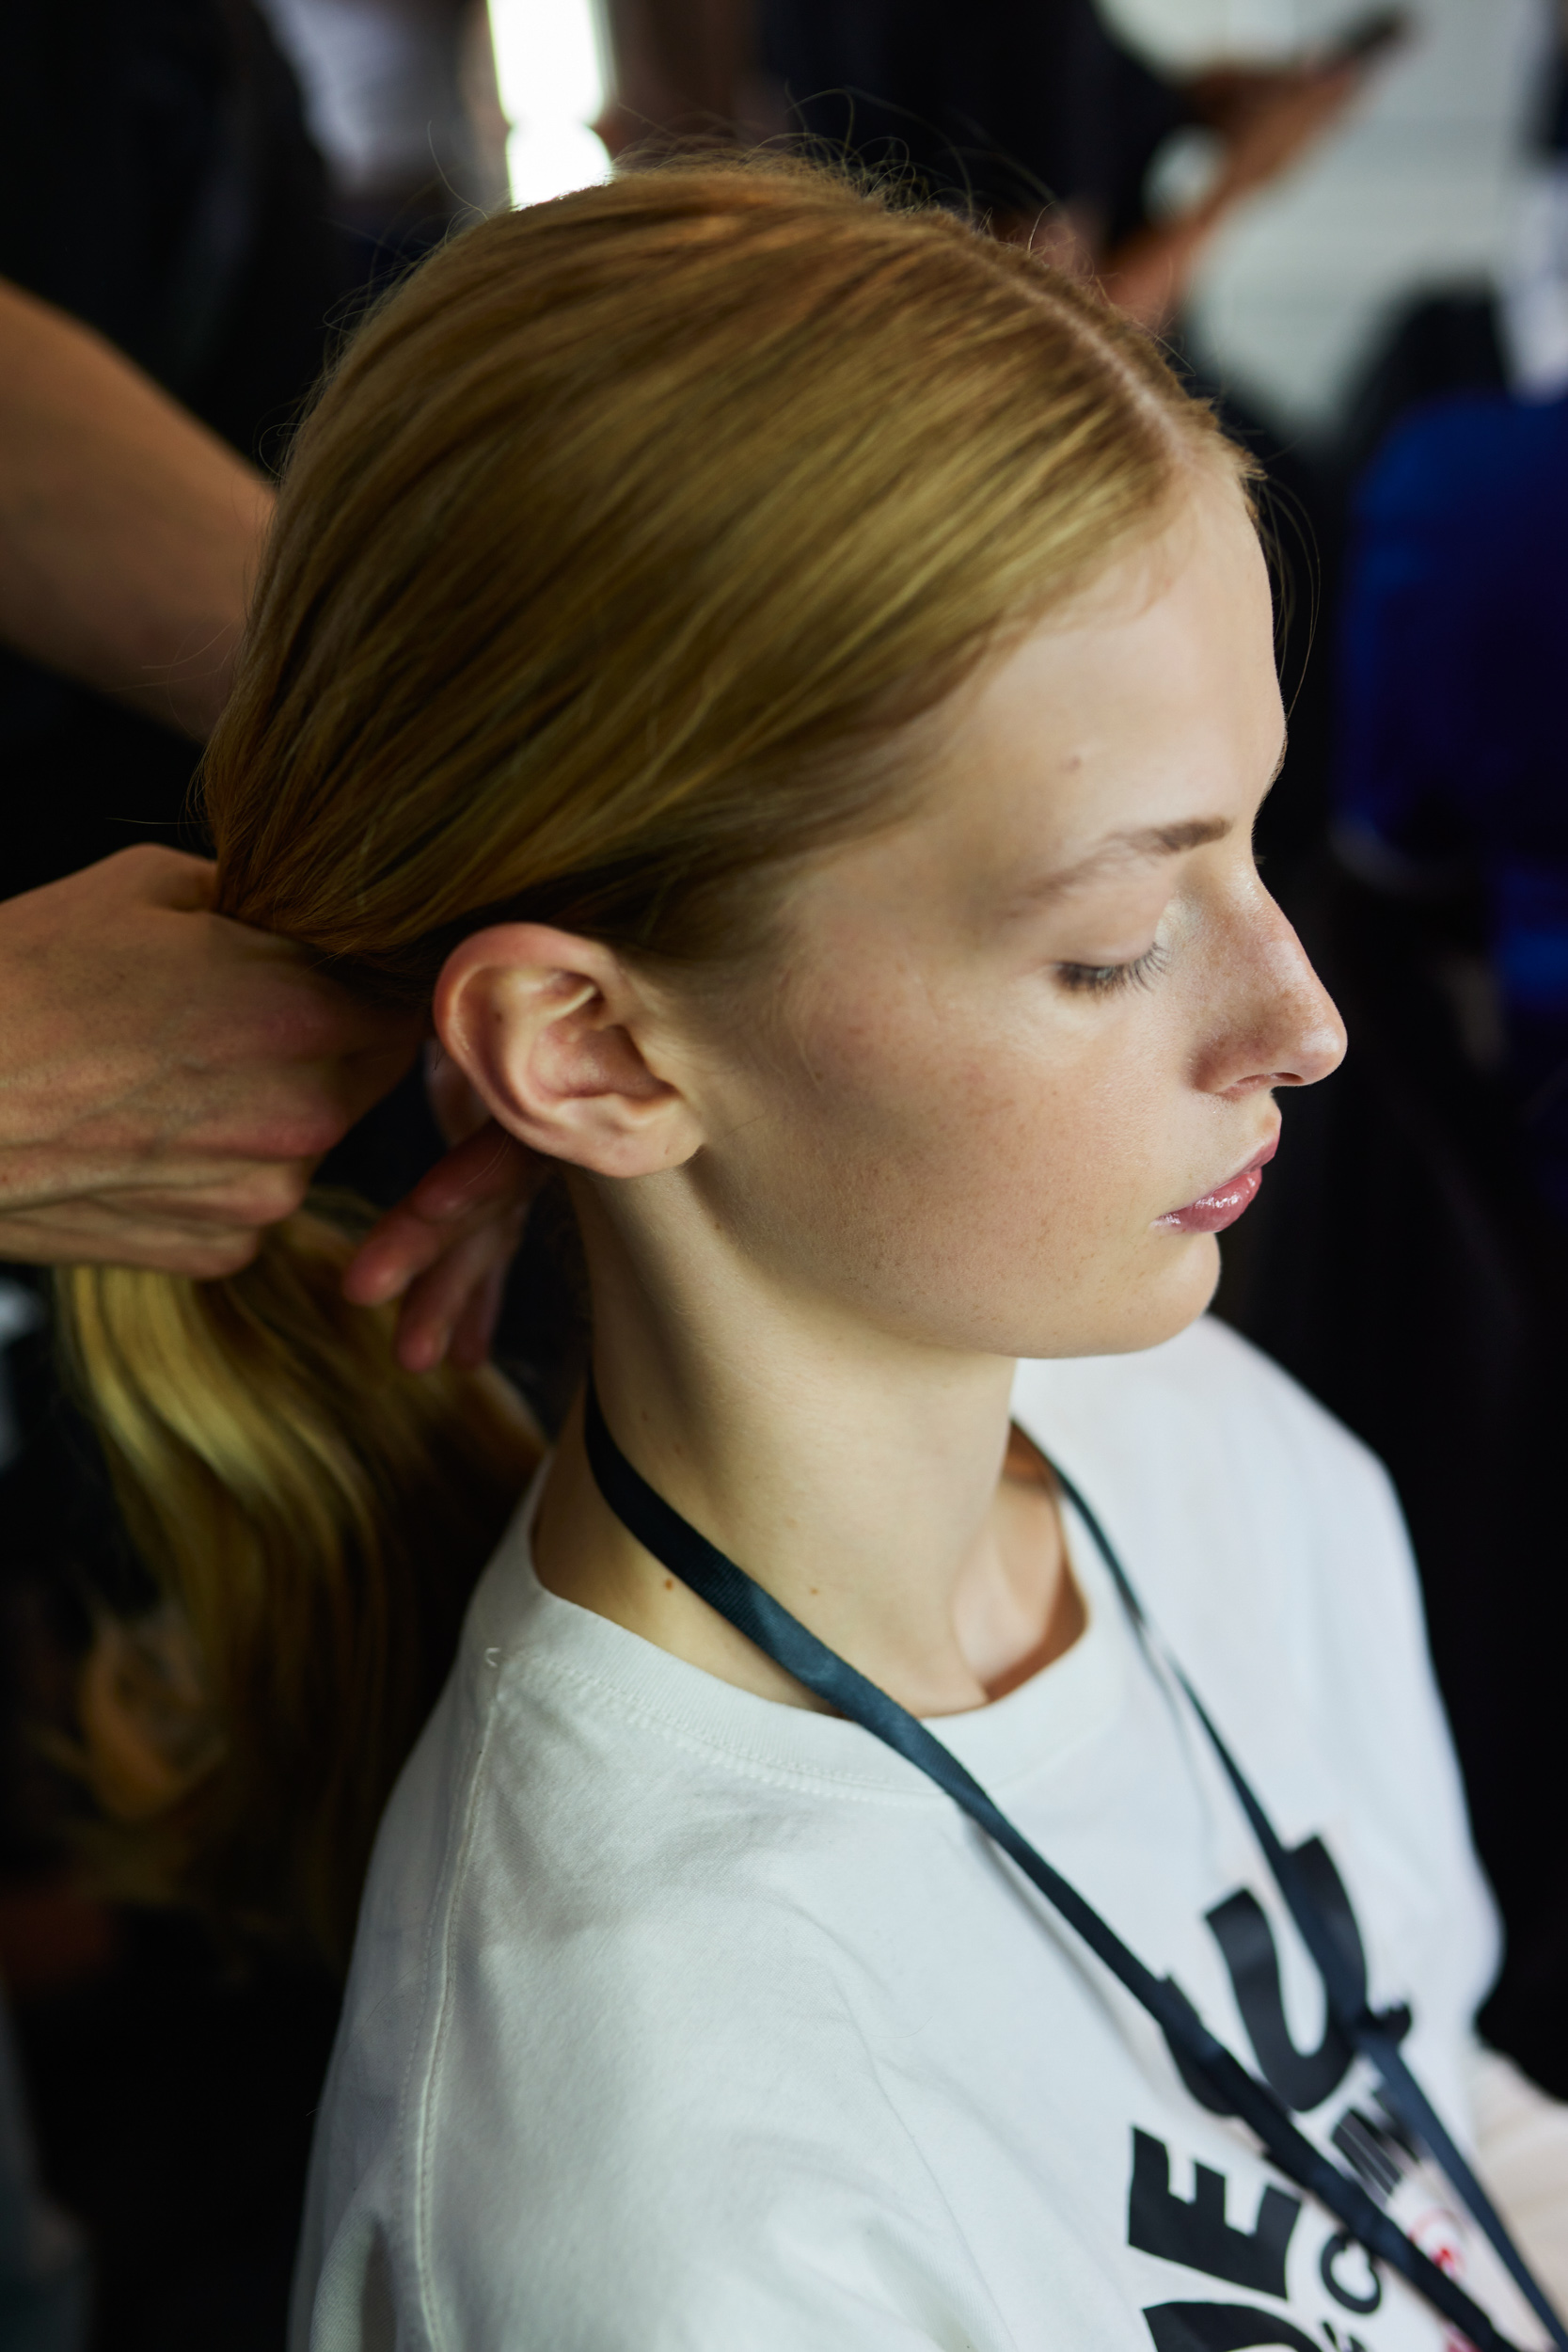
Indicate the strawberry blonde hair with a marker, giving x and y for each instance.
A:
(621, 550)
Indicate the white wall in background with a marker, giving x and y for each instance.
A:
(1419, 190)
(1191, 32)
(550, 72)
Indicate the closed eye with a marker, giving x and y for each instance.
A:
(1099, 979)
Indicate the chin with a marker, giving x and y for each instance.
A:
(1180, 1293)
(1153, 1303)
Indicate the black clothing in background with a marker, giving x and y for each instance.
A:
(173, 2100)
(157, 183)
(1400, 1264)
(1011, 102)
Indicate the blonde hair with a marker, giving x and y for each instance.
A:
(614, 563)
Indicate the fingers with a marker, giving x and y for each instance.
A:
(290, 1008)
(491, 1170)
(74, 1233)
(1332, 86)
(260, 1111)
(123, 1193)
(205, 1220)
(445, 1251)
(475, 1330)
(458, 1107)
(168, 1078)
(452, 1308)
(490, 1175)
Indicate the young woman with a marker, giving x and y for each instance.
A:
(789, 683)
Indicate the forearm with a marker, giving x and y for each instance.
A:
(1267, 123)
(128, 533)
(1147, 275)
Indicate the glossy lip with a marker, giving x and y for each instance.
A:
(1212, 1212)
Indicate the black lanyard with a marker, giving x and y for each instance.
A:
(1231, 2089)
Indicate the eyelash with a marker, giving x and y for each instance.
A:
(1100, 979)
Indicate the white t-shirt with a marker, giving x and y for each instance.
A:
(682, 2019)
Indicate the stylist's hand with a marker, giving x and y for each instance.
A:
(168, 1078)
(1269, 118)
(1264, 121)
(444, 1251)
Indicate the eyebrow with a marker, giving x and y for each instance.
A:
(1140, 846)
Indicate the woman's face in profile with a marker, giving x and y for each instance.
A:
(1019, 1035)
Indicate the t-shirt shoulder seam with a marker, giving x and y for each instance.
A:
(770, 1771)
(442, 1930)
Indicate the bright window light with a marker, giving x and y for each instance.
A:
(550, 69)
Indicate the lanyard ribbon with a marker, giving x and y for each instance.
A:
(677, 1545)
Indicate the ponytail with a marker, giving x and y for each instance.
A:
(314, 1520)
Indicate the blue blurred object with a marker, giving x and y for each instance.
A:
(1454, 759)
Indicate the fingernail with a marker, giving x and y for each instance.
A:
(422, 1351)
(370, 1283)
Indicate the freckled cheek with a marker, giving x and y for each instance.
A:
(1060, 1163)
(987, 1137)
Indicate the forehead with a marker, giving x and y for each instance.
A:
(1158, 683)
(1147, 707)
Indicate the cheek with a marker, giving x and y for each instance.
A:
(987, 1182)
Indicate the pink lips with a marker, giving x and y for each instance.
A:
(1214, 1211)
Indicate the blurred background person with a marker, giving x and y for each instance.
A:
(1038, 118)
(401, 100)
(1038, 115)
(157, 186)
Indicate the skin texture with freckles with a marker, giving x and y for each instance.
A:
(826, 1208)
(976, 1154)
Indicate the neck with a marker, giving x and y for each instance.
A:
(855, 1474)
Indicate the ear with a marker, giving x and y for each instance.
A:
(566, 1048)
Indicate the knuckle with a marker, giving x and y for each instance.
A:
(212, 1260)
(298, 1131)
(312, 1133)
(203, 1255)
(226, 1257)
(267, 1195)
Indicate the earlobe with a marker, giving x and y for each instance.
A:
(555, 1033)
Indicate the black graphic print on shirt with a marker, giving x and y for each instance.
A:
(1201, 2233)
(1196, 2233)
(1303, 2079)
(1222, 2328)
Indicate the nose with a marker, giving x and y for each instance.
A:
(1277, 1025)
